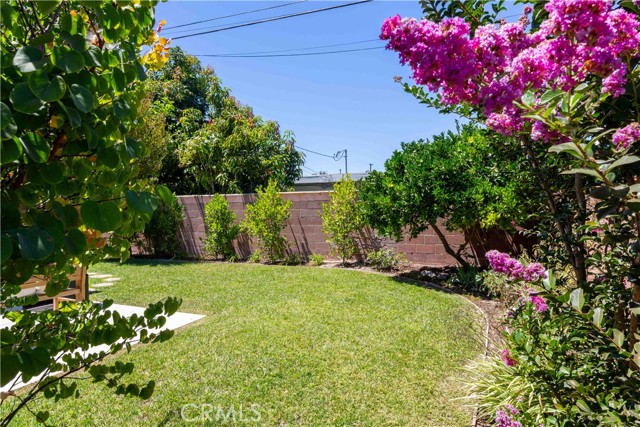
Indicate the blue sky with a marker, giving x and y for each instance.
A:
(331, 102)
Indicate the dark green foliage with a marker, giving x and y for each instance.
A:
(385, 259)
(71, 74)
(468, 177)
(161, 236)
(218, 145)
(221, 226)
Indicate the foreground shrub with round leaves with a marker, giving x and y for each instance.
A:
(70, 192)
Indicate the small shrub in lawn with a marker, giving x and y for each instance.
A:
(161, 235)
(265, 220)
(469, 279)
(255, 257)
(221, 226)
(293, 259)
(342, 218)
(316, 259)
(385, 259)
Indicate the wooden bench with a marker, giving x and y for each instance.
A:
(77, 290)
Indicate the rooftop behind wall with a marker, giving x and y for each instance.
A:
(304, 232)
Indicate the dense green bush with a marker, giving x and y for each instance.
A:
(385, 259)
(342, 218)
(265, 220)
(221, 227)
(469, 178)
(161, 236)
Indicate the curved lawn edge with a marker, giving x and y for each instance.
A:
(309, 346)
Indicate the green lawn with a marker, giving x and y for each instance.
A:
(306, 346)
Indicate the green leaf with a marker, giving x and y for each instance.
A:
(11, 151)
(598, 315)
(624, 160)
(134, 148)
(28, 59)
(582, 405)
(577, 299)
(74, 116)
(5, 116)
(143, 202)
(10, 368)
(6, 250)
(528, 98)
(82, 98)
(34, 243)
(567, 147)
(584, 171)
(618, 337)
(36, 147)
(76, 41)
(68, 60)
(24, 100)
(551, 95)
(165, 194)
(47, 6)
(93, 56)
(10, 131)
(119, 80)
(45, 89)
(121, 108)
(102, 217)
(75, 242)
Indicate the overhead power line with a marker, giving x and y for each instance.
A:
(275, 18)
(235, 14)
(292, 54)
(314, 152)
(291, 50)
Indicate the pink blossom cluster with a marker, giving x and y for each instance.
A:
(495, 66)
(538, 302)
(624, 137)
(504, 417)
(507, 358)
(503, 263)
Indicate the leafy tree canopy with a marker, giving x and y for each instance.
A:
(218, 144)
(468, 177)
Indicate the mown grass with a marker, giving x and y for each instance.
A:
(305, 346)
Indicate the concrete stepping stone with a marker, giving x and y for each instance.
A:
(102, 285)
(99, 276)
(111, 279)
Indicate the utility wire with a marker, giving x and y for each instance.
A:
(290, 50)
(235, 14)
(292, 54)
(310, 170)
(314, 152)
(275, 18)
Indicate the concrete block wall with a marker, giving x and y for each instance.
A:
(304, 233)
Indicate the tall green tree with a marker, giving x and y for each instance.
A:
(218, 144)
(70, 92)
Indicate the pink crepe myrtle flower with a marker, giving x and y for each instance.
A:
(538, 302)
(624, 137)
(507, 358)
(494, 67)
(504, 417)
(503, 263)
